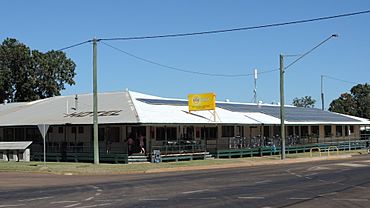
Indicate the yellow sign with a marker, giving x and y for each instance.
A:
(199, 102)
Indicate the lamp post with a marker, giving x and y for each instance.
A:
(282, 108)
(322, 93)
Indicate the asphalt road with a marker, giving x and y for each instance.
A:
(329, 183)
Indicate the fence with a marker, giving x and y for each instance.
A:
(244, 151)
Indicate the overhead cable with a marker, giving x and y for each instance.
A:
(183, 70)
(236, 29)
(341, 80)
(308, 52)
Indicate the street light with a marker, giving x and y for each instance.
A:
(282, 109)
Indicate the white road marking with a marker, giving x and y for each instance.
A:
(251, 197)
(299, 198)
(327, 194)
(365, 161)
(99, 190)
(96, 205)
(72, 205)
(265, 181)
(11, 205)
(90, 198)
(311, 174)
(110, 200)
(351, 165)
(62, 202)
(97, 194)
(154, 199)
(353, 200)
(34, 199)
(309, 178)
(318, 168)
(195, 191)
(204, 198)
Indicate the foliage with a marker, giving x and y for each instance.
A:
(27, 75)
(356, 104)
(305, 102)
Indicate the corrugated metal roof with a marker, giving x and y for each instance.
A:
(113, 108)
(132, 107)
(14, 145)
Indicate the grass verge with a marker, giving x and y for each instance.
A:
(109, 169)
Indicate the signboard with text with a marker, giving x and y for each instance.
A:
(199, 102)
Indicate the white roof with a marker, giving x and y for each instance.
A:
(133, 107)
(14, 145)
(112, 107)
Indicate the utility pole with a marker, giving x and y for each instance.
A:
(255, 86)
(95, 103)
(322, 92)
(282, 125)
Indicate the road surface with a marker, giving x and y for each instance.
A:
(329, 183)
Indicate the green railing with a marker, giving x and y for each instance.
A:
(271, 150)
(112, 157)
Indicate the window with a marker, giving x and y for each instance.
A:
(171, 133)
(114, 134)
(296, 130)
(290, 130)
(160, 133)
(239, 131)
(304, 131)
(19, 134)
(338, 131)
(209, 133)
(227, 131)
(188, 133)
(51, 129)
(276, 131)
(327, 130)
(346, 131)
(351, 129)
(60, 130)
(8, 134)
(101, 133)
(73, 130)
(34, 135)
(315, 132)
(80, 129)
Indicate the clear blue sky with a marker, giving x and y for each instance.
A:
(46, 25)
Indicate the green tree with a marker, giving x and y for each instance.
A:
(305, 102)
(356, 104)
(27, 75)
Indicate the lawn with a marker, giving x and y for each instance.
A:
(105, 169)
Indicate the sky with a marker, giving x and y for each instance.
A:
(52, 25)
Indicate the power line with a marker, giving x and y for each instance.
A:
(341, 80)
(222, 30)
(75, 45)
(308, 52)
(183, 70)
(236, 29)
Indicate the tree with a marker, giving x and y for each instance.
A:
(356, 104)
(27, 75)
(305, 102)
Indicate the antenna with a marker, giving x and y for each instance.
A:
(255, 86)
(76, 102)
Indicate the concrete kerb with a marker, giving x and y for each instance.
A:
(248, 163)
